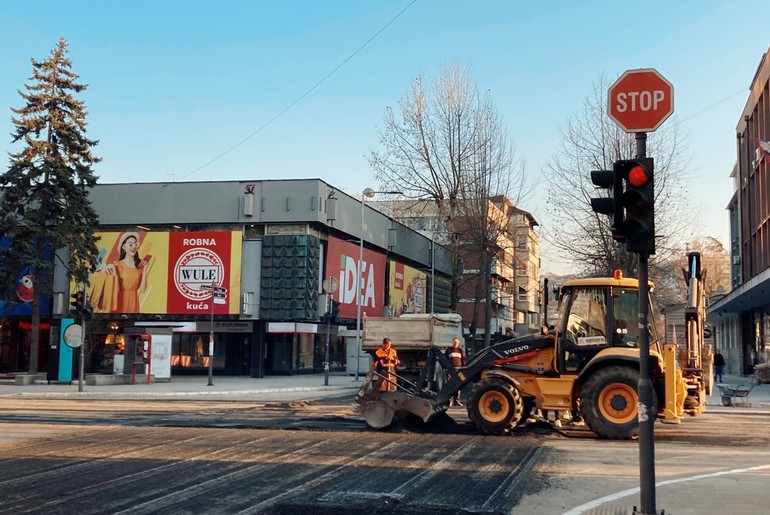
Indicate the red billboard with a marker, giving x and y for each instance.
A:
(341, 263)
(198, 260)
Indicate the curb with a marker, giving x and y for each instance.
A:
(194, 393)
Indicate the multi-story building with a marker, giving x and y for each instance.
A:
(512, 284)
(742, 317)
(529, 294)
(270, 250)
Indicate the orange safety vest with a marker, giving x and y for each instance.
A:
(386, 358)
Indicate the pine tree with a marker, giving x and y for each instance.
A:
(45, 205)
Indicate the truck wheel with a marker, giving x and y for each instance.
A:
(495, 406)
(609, 403)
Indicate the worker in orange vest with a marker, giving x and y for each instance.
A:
(386, 360)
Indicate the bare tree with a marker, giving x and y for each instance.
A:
(592, 141)
(715, 261)
(446, 143)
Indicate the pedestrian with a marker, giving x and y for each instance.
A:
(386, 362)
(457, 356)
(719, 366)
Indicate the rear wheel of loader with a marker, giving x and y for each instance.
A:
(609, 403)
(495, 406)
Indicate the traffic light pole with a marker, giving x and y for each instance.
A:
(328, 338)
(82, 358)
(645, 390)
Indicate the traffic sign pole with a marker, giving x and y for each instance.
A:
(640, 101)
(644, 389)
(330, 286)
(211, 339)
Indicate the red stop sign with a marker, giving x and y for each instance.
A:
(640, 100)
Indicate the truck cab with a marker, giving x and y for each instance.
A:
(598, 314)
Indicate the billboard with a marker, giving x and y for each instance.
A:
(407, 288)
(341, 262)
(25, 288)
(166, 272)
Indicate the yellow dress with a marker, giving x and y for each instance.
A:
(129, 280)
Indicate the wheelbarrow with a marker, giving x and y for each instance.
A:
(731, 393)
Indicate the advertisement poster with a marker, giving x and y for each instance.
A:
(407, 289)
(341, 263)
(24, 290)
(166, 273)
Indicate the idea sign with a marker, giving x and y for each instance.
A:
(640, 100)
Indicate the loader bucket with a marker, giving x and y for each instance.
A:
(379, 408)
(377, 414)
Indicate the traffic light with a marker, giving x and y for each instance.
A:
(609, 205)
(77, 303)
(335, 308)
(638, 202)
(88, 311)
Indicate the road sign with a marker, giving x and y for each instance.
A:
(215, 289)
(330, 284)
(640, 100)
(73, 335)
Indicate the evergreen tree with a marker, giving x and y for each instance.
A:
(45, 205)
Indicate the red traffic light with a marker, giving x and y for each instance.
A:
(638, 201)
(637, 176)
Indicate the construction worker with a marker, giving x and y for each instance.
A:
(456, 355)
(386, 361)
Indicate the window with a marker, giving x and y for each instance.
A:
(586, 325)
(626, 313)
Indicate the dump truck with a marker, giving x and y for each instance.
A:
(413, 335)
(590, 362)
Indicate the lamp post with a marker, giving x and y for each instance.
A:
(432, 265)
(367, 193)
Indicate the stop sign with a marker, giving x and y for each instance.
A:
(640, 100)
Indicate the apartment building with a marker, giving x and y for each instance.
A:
(742, 317)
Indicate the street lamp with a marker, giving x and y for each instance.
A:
(367, 193)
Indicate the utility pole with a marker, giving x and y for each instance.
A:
(82, 359)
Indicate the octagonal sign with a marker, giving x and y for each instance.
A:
(640, 100)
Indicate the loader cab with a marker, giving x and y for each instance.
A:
(597, 314)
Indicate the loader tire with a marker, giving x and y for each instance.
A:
(609, 403)
(495, 406)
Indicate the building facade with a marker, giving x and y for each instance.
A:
(510, 280)
(741, 318)
(234, 276)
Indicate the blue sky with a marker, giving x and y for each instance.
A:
(174, 85)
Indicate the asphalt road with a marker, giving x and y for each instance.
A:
(315, 456)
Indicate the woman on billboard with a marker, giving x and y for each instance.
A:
(122, 280)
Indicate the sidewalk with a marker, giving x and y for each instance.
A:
(758, 396)
(240, 385)
(181, 386)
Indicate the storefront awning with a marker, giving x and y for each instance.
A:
(751, 295)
